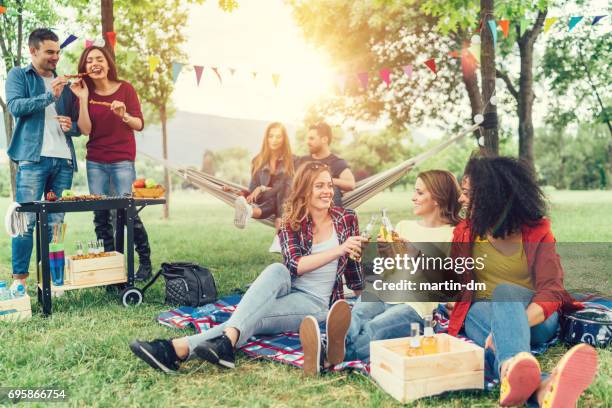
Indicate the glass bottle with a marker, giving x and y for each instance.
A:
(430, 342)
(79, 249)
(367, 234)
(386, 229)
(414, 347)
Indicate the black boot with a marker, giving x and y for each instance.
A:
(144, 272)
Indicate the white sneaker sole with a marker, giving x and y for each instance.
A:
(310, 337)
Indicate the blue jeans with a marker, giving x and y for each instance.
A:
(507, 322)
(34, 181)
(271, 305)
(115, 179)
(372, 321)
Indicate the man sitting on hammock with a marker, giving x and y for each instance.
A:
(319, 138)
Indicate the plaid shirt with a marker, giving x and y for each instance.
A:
(296, 244)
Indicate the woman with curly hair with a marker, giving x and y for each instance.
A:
(506, 226)
(316, 240)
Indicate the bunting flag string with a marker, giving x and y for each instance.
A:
(493, 27)
(505, 26)
(573, 21)
(88, 43)
(431, 64)
(596, 19)
(549, 22)
(275, 79)
(176, 70)
(408, 70)
(153, 63)
(385, 75)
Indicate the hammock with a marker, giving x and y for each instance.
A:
(365, 189)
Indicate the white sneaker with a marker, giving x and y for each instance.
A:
(275, 247)
(243, 212)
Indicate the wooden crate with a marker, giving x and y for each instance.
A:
(94, 271)
(458, 365)
(16, 309)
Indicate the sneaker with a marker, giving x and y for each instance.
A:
(570, 377)
(310, 337)
(338, 322)
(243, 212)
(159, 354)
(217, 351)
(144, 272)
(275, 247)
(522, 379)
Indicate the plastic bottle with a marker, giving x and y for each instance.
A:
(4, 293)
(17, 290)
(414, 347)
(430, 342)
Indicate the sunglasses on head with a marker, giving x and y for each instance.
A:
(316, 166)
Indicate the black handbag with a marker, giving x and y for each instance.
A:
(187, 284)
(591, 325)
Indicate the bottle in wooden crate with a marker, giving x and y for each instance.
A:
(414, 347)
(429, 343)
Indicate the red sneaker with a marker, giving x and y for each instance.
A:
(522, 379)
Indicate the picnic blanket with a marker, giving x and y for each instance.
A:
(285, 347)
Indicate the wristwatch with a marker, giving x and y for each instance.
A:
(126, 117)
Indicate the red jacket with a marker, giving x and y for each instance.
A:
(543, 263)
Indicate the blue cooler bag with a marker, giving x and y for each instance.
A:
(591, 325)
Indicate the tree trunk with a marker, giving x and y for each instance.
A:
(525, 95)
(8, 129)
(108, 24)
(167, 186)
(487, 71)
(470, 80)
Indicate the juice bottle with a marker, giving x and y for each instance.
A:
(386, 230)
(366, 233)
(414, 347)
(430, 343)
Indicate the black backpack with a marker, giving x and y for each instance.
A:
(187, 284)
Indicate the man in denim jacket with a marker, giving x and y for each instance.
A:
(46, 120)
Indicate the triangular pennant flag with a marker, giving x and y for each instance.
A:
(363, 78)
(431, 64)
(112, 38)
(505, 26)
(493, 28)
(341, 82)
(153, 63)
(176, 70)
(408, 70)
(275, 79)
(88, 43)
(218, 74)
(479, 26)
(385, 75)
(71, 38)
(198, 71)
(468, 62)
(523, 26)
(596, 19)
(474, 50)
(454, 54)
(254, 74)
(549, 22)
(232, 71)
(2, 9)
(573, 21)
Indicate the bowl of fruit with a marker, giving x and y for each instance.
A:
(147, 188)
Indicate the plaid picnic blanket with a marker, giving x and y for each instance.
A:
(284, 347)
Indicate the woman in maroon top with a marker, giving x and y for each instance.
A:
(109, 112)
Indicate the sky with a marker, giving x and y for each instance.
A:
(259, 36)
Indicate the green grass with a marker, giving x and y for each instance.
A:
(83, 347)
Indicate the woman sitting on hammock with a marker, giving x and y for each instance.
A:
(271, 174)
(316, 240)
(524, 293)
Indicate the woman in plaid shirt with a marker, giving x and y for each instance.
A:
(317, 243)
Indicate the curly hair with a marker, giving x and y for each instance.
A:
(503, 196)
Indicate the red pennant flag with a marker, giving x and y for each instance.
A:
(505, 26)
(275, 79)
(198, 71)
(112, 38)
(431, 64)
(408, 71)
(2, 9)
(363, 78)
(218, 74)
(88, 43)
(468, 62)
(385, 75)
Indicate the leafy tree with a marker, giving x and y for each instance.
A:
(21, 18)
